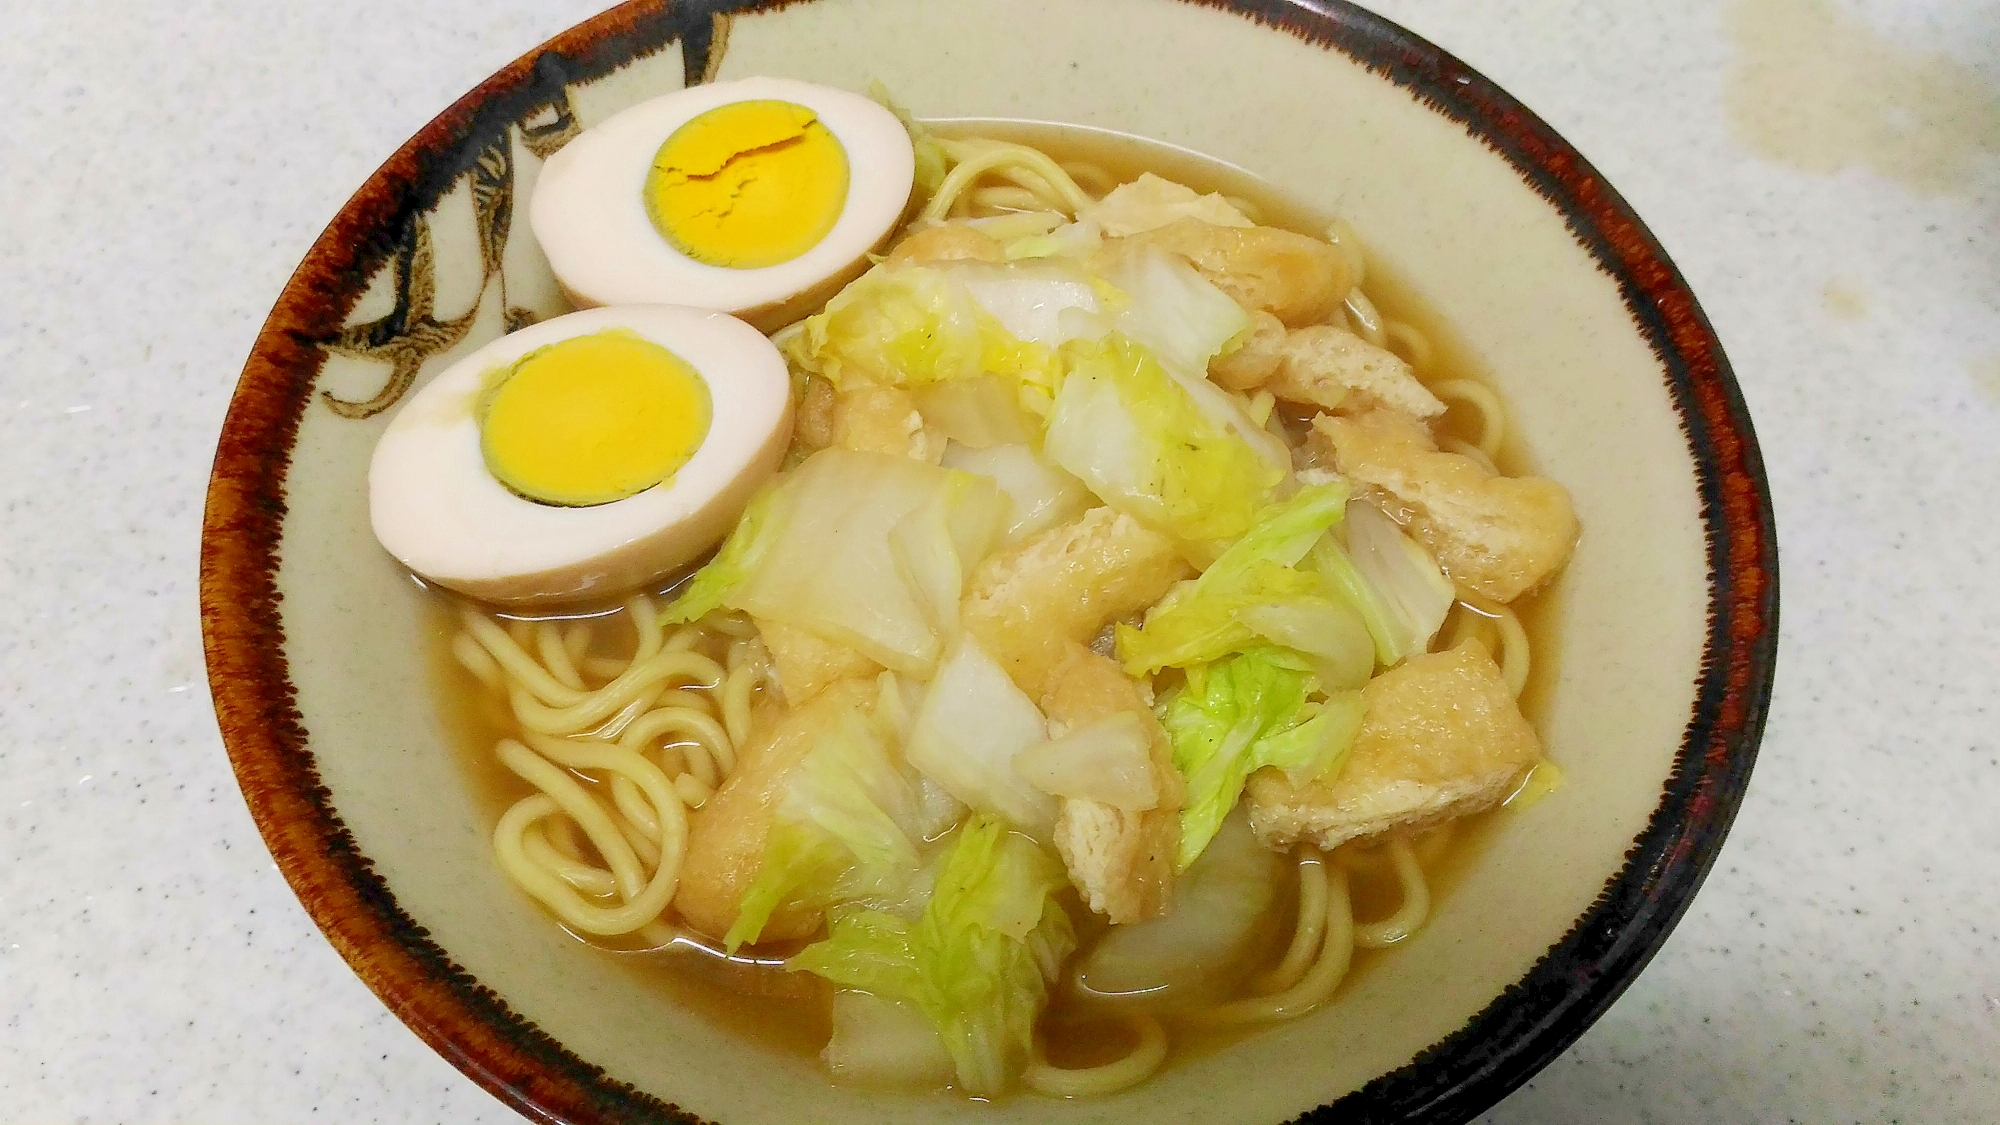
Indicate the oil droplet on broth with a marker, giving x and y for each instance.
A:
(1820, 91)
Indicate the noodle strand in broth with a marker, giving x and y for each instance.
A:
(1415, 908)
(1317, 984)
(1048, 187)
(1365, 319)
(1133, 1068)
(587, 752)
(1513, 651)
(1480, 397)
(1308, 931)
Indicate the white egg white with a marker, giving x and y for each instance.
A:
(589, 213)
(437, 509)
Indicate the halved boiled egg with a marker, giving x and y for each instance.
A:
(759, 197)
(583, 457)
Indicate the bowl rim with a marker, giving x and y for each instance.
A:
(1519, 1032)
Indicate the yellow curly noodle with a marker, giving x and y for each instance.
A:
(1148, 1051)
(1325, 934)
(1316, 959)
(1500, 629)
(1039, 183)
(614, 751)
(1480, 399)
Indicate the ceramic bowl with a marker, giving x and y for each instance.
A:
(319, 664)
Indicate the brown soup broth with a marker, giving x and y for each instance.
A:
(791, 1009)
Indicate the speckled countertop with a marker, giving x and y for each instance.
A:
(1828, 175)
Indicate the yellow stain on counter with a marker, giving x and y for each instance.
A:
(1986, 376)
(1844, 299)
(748, 185)
(1821, 91)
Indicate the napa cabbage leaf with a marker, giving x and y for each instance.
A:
(1108, 760)
(1042, 495)
(1139, 441)
(848, 830)
(705, 591)
(1389, 580)
(1240, 714)
(977, 962)
(907, 325)
(968, 729)
(867, 549)
(1254, 592)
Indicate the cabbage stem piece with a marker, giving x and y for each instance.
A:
(864, 549)
(972, 724)
(1108, 761)
(1387, 578)
(1043, 495)
(1187, 956)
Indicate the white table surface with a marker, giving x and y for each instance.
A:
(163, 166)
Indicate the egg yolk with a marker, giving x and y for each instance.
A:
(748, 184)
(593, 419)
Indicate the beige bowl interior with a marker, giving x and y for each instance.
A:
(1480, 246)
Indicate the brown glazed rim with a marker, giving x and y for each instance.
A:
(1525, 1027)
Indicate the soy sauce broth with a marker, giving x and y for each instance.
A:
(790, 1010)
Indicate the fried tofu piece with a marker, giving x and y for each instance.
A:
(1331, 367)
(1121, 862)
(813, 430)
(1498, 536)
(948, 242)
(1443, 738)
(1323, 366)
(870, 417)
(727, 834)
(806, 662)
(1255, 360)
(874, 418)
(1027, 605)
(1151, 202)
(1297, 279)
